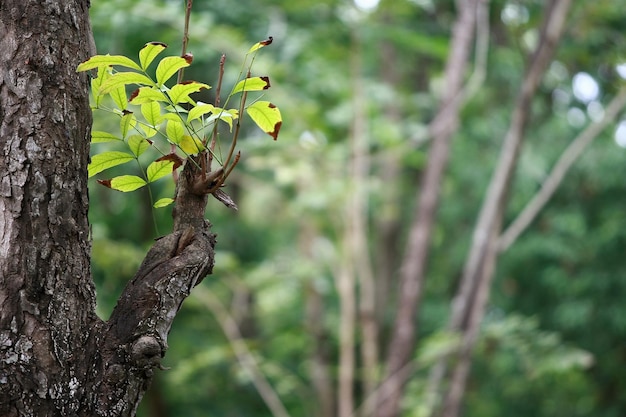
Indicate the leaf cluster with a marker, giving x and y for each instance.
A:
(155, 115)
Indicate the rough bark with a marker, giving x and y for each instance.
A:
(56, 357)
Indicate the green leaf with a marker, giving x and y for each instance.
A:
(266, 116)
(261, 44)
(168, 67)
(163, 202)
(98, 136)
(148, 131)
(180, 92)
(121, 79)
(152, 113)
(119, 97)
(96, 83)
(127, 122)
(146, 95)
(190, 146)
(159, 169)
(224, 115)
(149, 52)
(174, 131)
(200, 110)
(252, 84)
(106, 160)
(138, 144)
(127, 183)
(107, 60)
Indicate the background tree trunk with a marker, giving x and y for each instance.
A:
(57, 358)
(413, 269)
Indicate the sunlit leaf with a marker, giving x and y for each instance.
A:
(148, 131)
(174, 131)
(145, 95)
(151, 112)
(96, 83)
(199, 111)
(149, 52)
(261, 44)
(119, 97)
(266, 116)
(108, 60)
(224, 115)
(106, 160)
(159, 169)
(190, 146)
(252, 84)
(98, 136)
(127, 183)
(138, 144)
(180, 92)
(163, 202)
(168, 67)
(122, 79)
(127, 122)
(171, 116)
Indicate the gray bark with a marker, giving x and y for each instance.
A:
(57, 358)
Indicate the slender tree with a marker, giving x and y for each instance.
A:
(57, 358)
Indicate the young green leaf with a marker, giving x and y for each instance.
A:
(174, 131)
(125, 183)
(266, 116)
(180, 92)
(107, 60)
(121, 79)
(168, 67)
(252, 84)
(138, 144)
(106, 160)
(149, 52)
(261, 44)
(98, 136)
(152, 113)
(224, 115)
(127, 122)
(200, 110)
(163, 202)
(159, 169)
(96, 83)
(190, 146)
(119, 97)
(146, 95)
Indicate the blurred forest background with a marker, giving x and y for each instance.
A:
(298, 318)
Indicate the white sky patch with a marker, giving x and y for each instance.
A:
(621, 70)
(366, 5)
(585, 88)
(620, 134)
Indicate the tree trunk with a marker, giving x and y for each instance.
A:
(470, 302)
(57, 358)
(413, 269)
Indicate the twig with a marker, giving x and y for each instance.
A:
(244, 356)
(185, 38)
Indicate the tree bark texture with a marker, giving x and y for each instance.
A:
(57, 358)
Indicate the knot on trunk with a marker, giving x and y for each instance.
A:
(146, 352)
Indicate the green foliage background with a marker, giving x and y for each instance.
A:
(553, 342)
